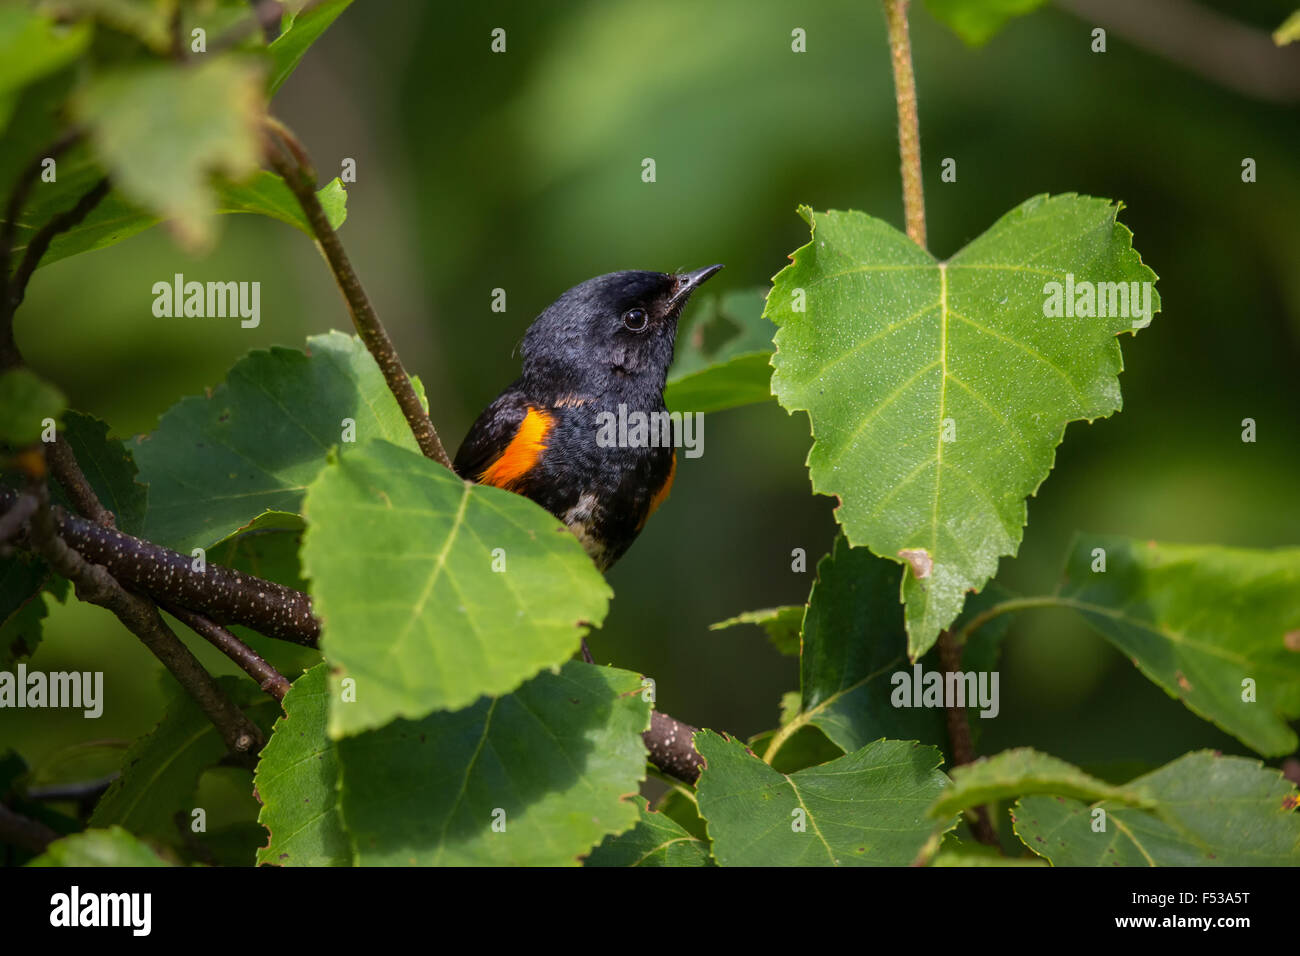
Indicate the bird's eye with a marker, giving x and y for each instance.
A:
(635, 320)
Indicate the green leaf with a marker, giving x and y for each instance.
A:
(781, 625)
(266, 547)
(938, 391)
(723, 355)
(552, 763)
(266, 194)
(1289, 31)
(162, 130)
(26, 401)
(1208, 810)
(807, 746)
(288, 48)
(1020, 772)
(679, 805)
(297, 781)
(1218, 628)
(115, 218)
(975, 21)
(109, 468)
(112, 846)
(258, 440)
(433, 591)
(853, 645)
(21, 607)
(864, 809)
(656, 840)
(161, 769)
(33, 46)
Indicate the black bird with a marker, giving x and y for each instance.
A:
(603, 344)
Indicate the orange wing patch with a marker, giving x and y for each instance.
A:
(523, 452)
(662, 493)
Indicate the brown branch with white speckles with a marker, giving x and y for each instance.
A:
(671, 748)
(222, 594)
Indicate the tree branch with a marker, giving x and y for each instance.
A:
(909, 127)
(9, 230)
(41, 241)
(671, 748)
(267, 677)
(64, 467)
(225, 595)
(297, 176)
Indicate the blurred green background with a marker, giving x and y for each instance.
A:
(523, 171)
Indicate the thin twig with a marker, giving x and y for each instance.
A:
(176, 31)
(963, 750)
(364, 318)
(909, 127)
(80, 792)
(267, 677)
(9, 230)
(41, 241)
(64, 467)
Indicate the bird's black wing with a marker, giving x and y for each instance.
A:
(490, 435)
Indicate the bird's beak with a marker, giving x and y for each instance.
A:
(688, 282)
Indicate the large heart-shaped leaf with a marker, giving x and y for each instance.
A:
(938, 391)
(433, 591)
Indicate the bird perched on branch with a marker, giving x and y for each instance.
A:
(603, 344)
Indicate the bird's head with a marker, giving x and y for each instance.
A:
(612, 328)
